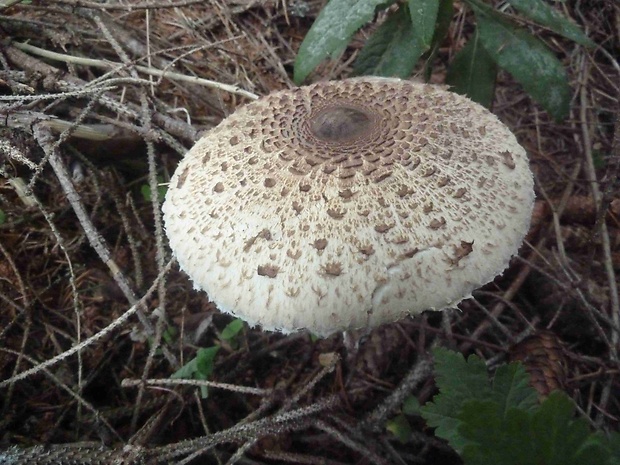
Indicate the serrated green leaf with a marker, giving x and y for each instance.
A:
(547, 435)
(461, 382)
(473, 72)
(546, 15)
(491, 438)
(561, 439)
(423, 15)
(332, 31)
(445, 422)
(467, 379)
(502, 424)
(458, 381)
(511, 388)
(392, 51)
(529, 61)
(232, 329)
(399, 427)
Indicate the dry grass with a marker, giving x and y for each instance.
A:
(90, 302)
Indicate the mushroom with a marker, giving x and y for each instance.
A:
(346, 205)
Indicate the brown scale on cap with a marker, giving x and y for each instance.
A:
(380, 197)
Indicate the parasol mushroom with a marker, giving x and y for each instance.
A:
(349, 204)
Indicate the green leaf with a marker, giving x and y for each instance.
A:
(492, 439)
(186, 371)
(511, 388)
(423, 15)
(445, 13)
(201, 364)
(547, 435)
(332, 31)
(548, 16)
(467, 378)
(169, 334)
(502, 423)
(529, 61)
(200, 367)
(398, 43)
(458, 382)
(204, 361)
(145, 189)
(399, 427)
(2, 216)
(232, 329)
(562, 440)
(393, 49)
(473, 72)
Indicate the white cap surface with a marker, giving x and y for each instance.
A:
(349, 204)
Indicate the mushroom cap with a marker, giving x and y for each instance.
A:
(349, 204)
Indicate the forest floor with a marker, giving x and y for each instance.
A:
(100, 101)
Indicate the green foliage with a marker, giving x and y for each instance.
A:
(460, 381)
(423, 15)
(392, 50)
(200, 367)
(145, 189)
(332, 31)
(500, 422)
(445, 12)
(416, 28)
(547, 436)
(529, 60)
(170, 334)
(473, 71)
(544, 15)
(399, 427)
(2, 216)
(231, 331)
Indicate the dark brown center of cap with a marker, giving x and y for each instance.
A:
(339, 123)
